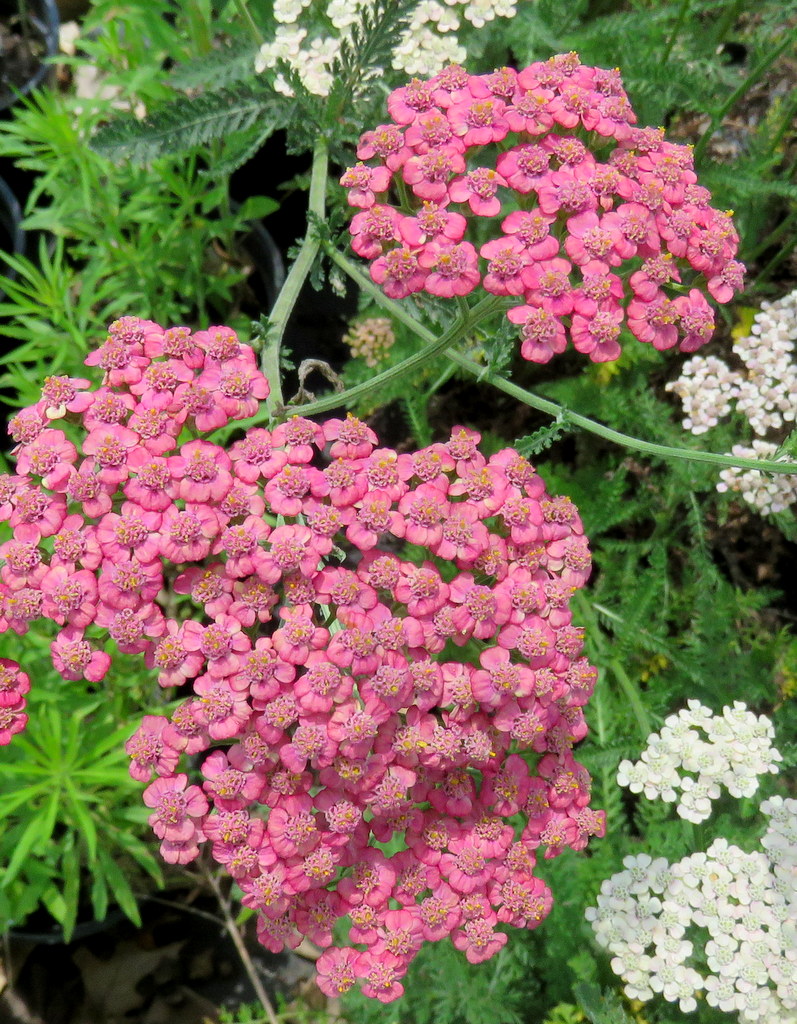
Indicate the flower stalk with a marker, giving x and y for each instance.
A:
(289, 293)
(537, 401)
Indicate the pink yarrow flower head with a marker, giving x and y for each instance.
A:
(562, 216)
(321, 709)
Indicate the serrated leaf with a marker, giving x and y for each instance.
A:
(600, 1008)
(542, 439)
(232, 62)
(186, 123)
(239, 148)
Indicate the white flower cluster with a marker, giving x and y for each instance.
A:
(769, 494)
(764, 391)
(424, 48)
(737, 748)
(747, 902)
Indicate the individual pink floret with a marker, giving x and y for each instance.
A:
(597, 335)
(363, 183)
(508, 257)
(543, 334)
(453, 269)
(399, 273)
(479, 189)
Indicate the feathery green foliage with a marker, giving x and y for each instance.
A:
(189, 122)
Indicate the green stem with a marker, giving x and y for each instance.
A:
(289, 293)
(544, 404)
(757, 73)
(726, 22)
(246, 14)
(786, 125)
(405, 202)
(235, 934)
(776, 260)
(625, 440)
(632, 694)
(435, 345)
(682, 12)
(774, 236)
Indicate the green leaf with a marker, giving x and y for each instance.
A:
(141, 854)
(257, 207)
(229, 63)
(239, 147)
(600, 1008)
(70, 865)
(99, 896)
(82, 820)
(540, 440)
(120, 887)
(35, 832)
(186, 123)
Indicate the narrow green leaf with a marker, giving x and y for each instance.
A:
(35, 832)
(99, 896)
(120, 887)
(70, 865)
(257, 207)
(82, 820)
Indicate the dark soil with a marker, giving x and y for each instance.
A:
(178, 968)
(22, 49)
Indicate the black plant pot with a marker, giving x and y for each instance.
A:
(12, 237)
(269, 273)
(34, 26)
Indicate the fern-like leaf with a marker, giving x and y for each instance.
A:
(233, 62)
(239, 147)
(187, 123)
(601, 1008)
(368, 49)
(542, 439)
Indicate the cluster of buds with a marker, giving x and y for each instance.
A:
(331, 709)
(585, 244)
(370, 339)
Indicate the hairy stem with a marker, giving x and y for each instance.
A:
(289, 293)
(544, 404)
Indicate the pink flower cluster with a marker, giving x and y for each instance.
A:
(14, 684)
(346, 691)
(598, 219)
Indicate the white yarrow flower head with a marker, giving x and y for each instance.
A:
(697, 754)
(427, 44)
(764, 392)
(748, 963)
